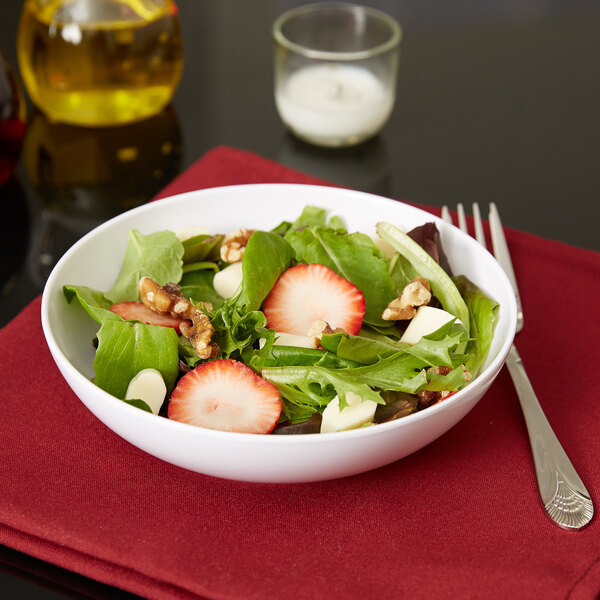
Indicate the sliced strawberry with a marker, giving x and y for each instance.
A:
(307, 293)
(227, 395)
(137, 311)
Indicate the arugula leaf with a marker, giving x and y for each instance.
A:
(352, 256)
(157, 255)
(442, 286)
(93, 301)
(127, 347)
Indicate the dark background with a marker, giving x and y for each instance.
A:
(497, 101)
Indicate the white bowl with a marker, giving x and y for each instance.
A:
(95, 261)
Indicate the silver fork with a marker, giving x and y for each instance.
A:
(565, 498)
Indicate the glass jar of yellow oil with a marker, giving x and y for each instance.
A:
(100, 62)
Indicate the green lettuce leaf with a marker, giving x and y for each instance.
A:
(127, 347)
(483, 315)
(286, 356)
(157, 255)
(313, 387)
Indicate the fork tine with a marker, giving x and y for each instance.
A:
(501, 252)
(479, 235)
(462, 221)
(446, 215)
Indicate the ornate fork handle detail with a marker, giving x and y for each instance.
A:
(565, 498)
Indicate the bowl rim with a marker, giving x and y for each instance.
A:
(68, 370)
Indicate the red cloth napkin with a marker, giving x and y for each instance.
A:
(459, 519)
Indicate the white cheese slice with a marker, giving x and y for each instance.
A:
(148, 385)
(426, 321)
(292, 339)
(289, 339)
(227, 281)
(358, 412)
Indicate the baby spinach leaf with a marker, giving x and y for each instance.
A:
(197, 286)
(93, 301)
(202, 248)
(266, 257)
(282, 228)
(157, 255)
(310, 216)
(139, 404)
(352, 256)
(201, 265)
(127, 347)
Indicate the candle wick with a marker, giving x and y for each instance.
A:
(339, 92)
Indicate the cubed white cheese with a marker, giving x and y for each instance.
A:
(426, 321)
(148, 385)
(358, 412)
(227, 281)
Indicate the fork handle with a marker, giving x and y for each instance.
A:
(565, 498)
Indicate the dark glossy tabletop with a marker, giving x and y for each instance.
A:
(497, 101)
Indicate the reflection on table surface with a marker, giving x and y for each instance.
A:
(497, 101)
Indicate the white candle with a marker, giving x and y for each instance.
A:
(334, 105)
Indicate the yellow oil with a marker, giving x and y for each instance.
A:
(100, 62)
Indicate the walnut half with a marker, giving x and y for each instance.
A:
(169, 299)
(416, 293)
(234, 244)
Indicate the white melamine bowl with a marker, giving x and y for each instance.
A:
(96, 259)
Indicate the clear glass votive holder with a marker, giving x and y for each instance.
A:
(335, 71)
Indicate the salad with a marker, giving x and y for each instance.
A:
(305, 328)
